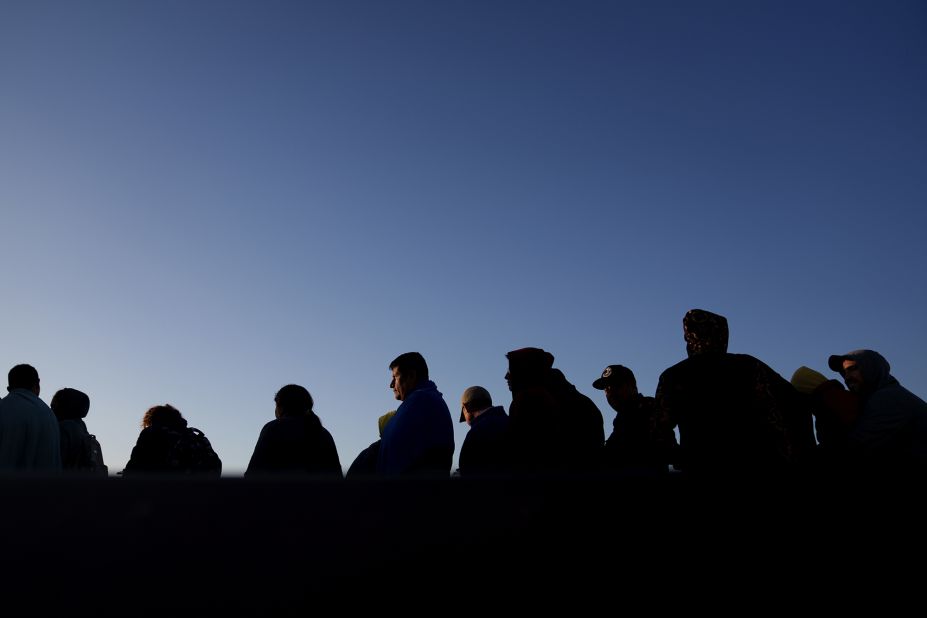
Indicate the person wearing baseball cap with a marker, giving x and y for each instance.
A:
(637, 443)
(891, 432)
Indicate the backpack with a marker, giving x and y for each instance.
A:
(192, 453)
(94, 457)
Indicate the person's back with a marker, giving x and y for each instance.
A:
(909, 442)
(77, 448)
(295, 445)
(580, 425)
(29, 435)
(166, 445)
(487, 448)
(295, 442)
(150, 453)
(725, 417)
(735, 414)
(80, 451)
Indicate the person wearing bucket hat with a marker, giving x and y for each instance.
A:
(734, 413)
(891, 431)
(485, 450)
(637, 442)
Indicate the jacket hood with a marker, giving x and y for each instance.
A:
(705, 332)
(873, 367)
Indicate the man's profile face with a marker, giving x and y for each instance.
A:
(619, 395)
(402, 383)
(852, 376)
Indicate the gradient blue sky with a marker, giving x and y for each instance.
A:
(204, 201)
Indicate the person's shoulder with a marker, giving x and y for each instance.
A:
(493, 419)
(893, 393)
(671, 371)
(746, 360)
(72, 425)
(497, 412)
(426, 394)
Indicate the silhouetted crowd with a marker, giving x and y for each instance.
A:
(734, 415)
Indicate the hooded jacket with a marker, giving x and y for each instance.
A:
(892, 428)
(734, 413)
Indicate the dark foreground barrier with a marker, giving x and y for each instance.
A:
(168, 547)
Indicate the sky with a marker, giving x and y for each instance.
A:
(201, 202)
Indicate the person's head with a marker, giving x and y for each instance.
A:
(23, 376)
(384, 420)
(407, 371)
(293, 400)
(70, 403)
(528, 366)
(705, 332)
(619, 385)
(163, 416)
(474, 401)
(863, 371)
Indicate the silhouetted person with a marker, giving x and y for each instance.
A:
(80, 451)
(167, 445)
(891, 431)
(365, 464)
(29, 436)
(486, 450)
(534, 412)
(583, 427)
(835, 411)
(638, 442)
(554, 427)
(295, 442)
(735, 414)
(420, 438)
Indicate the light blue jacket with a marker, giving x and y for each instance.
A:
(29, 434)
